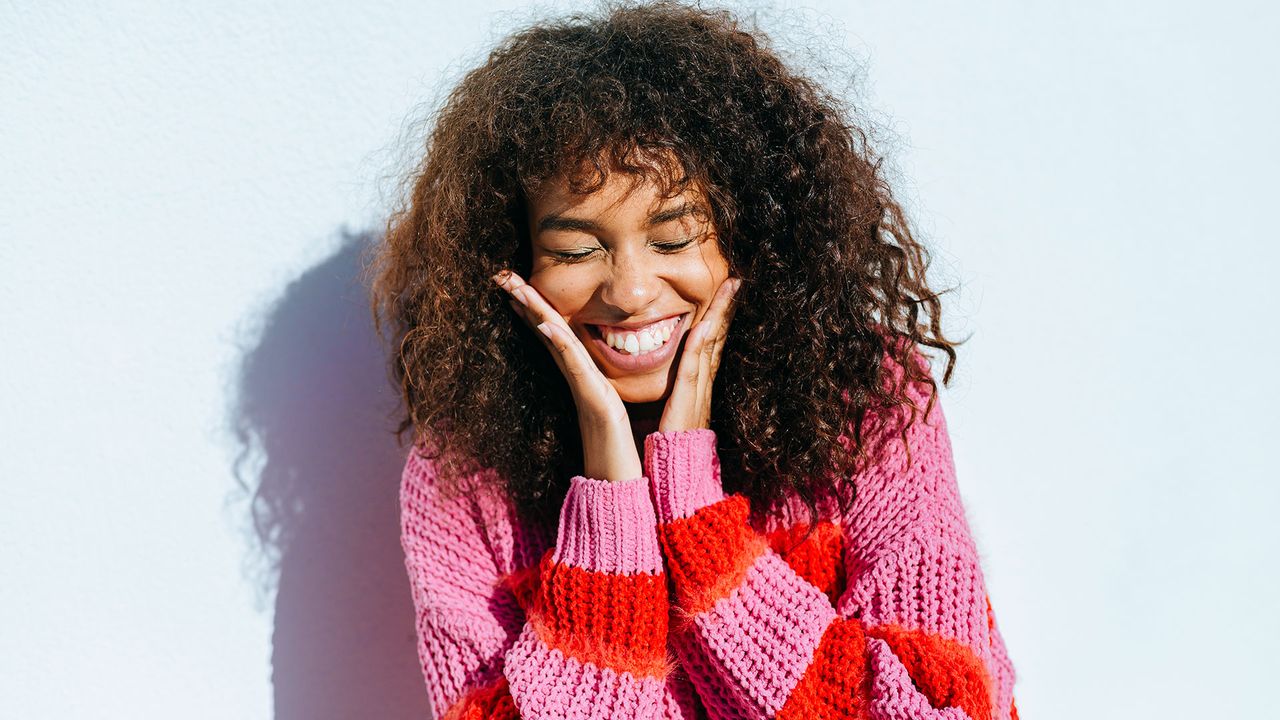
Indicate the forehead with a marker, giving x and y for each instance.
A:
(623, 200)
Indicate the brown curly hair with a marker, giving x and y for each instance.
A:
(834, 281)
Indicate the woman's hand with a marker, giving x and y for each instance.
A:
(608, 447)
(689, 406)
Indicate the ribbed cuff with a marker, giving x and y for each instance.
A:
(609, 527)
(684, 471)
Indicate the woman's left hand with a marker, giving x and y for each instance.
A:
(689, 406)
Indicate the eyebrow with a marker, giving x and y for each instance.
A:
(560, 222)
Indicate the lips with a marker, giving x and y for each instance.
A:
(602, 329)
(627, 362)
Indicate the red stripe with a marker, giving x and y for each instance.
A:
(837, 683)
(488, 702)
(819, 559)
(709, 552)
(610, 620)
(945, 670)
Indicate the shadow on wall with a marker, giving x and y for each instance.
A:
(319, 472)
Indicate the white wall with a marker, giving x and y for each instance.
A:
(177, 189)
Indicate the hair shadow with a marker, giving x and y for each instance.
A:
(318, 469)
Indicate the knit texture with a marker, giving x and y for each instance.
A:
(658, 597)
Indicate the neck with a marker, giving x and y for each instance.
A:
(644, 420)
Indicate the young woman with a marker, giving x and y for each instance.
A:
(677, 452)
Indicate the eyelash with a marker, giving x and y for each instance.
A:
(665, 247)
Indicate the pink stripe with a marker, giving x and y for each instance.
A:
(762, 637)
(609, 527)
(894, 695)
(685, 471)
(932, 583)
(545, 683)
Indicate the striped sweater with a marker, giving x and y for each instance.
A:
(659, 596)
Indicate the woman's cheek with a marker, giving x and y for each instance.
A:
(701, 274)
(566, 290)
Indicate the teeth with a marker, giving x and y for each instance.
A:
(646, 340)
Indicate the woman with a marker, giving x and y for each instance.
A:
(677, 453)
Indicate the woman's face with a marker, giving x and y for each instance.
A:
(623, 263)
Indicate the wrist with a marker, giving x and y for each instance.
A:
(610, 454)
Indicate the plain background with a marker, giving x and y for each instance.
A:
(183, 190)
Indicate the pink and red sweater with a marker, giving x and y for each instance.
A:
(658, 597)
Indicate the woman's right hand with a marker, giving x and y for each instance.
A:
(608, 446)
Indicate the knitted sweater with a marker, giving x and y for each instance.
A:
(659, 597)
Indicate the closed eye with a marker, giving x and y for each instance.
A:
(674, 246)
(670, 247)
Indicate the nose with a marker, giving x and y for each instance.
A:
(631, 285)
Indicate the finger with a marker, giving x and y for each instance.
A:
(588, 385)
(574, 352)
(716, 321)
(508, 280)
(684, 392)
(572, 356)
(519, 309)
(523, 313)
(714, 334)
(563, 348)
(723, 303)
(704, 386)
(706, 372)
(690, 364)
(542, 337)
(716, 314)
(529, 296)
(586, 382)
(687, 372)
(503, 280)
(534, 310)
(511, 282)
(724, 325)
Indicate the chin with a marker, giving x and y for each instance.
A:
(641, 390)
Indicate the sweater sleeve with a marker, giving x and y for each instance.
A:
(579, 634)
(910, 636)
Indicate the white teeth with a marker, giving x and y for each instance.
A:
(646, 340)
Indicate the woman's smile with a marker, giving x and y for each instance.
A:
(641, 348)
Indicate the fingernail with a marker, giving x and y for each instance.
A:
(545, 329)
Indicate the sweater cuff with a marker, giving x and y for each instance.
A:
(609, 527)
(684, 471)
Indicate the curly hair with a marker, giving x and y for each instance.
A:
(834, 283)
